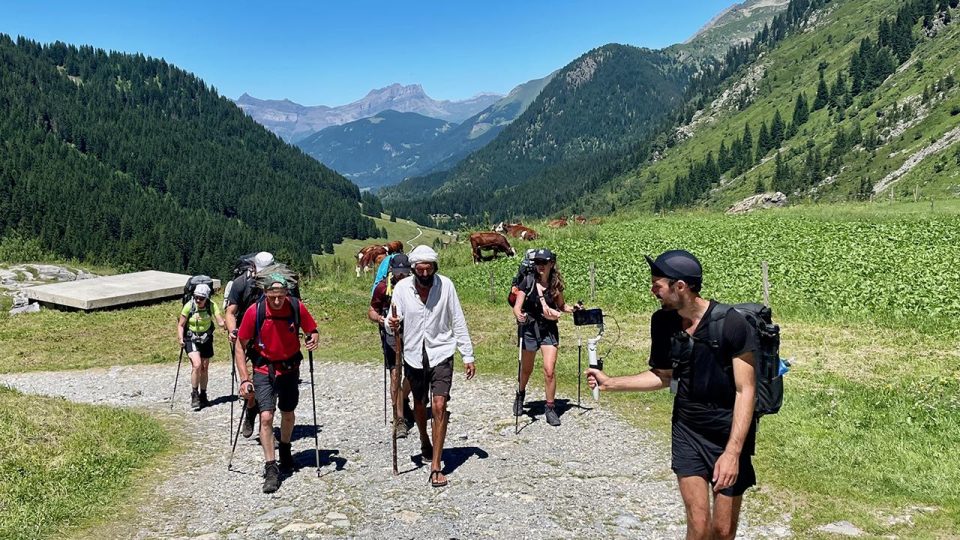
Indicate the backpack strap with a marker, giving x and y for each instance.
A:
(262, 316)
(715, 324)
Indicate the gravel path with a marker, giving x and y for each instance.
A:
(593, 477)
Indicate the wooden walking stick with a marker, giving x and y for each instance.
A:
(398, 349)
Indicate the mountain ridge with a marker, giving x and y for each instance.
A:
(292, 121)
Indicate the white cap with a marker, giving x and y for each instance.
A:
(422, 254)
(202, 290)
(262, 260)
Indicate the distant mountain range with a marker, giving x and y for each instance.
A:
(292, 121)
(386, 148)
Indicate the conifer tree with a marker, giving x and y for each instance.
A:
(823, 94)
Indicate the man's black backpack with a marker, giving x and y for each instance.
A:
(767, 356)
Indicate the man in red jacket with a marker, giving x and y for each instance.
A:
(273, 326)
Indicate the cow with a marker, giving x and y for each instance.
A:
(557, 223)
(504, 228)
(523, 233)
(371, 255)
(493, 241)
(579, 220)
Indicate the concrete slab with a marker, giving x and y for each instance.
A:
(112, 291)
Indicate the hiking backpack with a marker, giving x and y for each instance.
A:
(526, 268)
(191, 286)
(294, 319)
(382, 271)
(768, 365)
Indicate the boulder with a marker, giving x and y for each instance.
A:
(763, 200)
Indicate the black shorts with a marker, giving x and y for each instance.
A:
(437, 379)
(191, 344)
(389, 353)
(283, 391)
(694, 455)
(536, 335)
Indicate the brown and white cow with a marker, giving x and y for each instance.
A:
(491, 241)
(557, 223)
(516, 230)
(371, 255)
(579, 220)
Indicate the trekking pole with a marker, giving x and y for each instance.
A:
(516, 417)
(385, 369)
(233, 381)
(313, 397)
(579, 364)
(177, 378)
(243, 412)
(398, 347)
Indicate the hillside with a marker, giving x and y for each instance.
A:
(379, 149)
(860, 101)
(588, 110)
(118, 158)
(736, 24)
(390, 146)
(293, 121)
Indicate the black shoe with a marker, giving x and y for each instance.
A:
(204, 402)
(551, 415)
(195, 400)
(518, 403)
(271, 477)
(248, 419)
(286, 458)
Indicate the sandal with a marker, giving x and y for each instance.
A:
(435, 479)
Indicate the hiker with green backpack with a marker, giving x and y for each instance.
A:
(195, 335)
(721, 363)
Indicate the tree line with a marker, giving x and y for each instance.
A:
(125, 159)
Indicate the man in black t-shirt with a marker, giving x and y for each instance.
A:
(713, 427)
(244, 292)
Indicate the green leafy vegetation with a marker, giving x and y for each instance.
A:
(128, 160)
(65, 465)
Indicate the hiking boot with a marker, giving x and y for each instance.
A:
(518, 403)
(271, 477)
(204, 402)
(286, 458)
(195, 400)
(551, 415)
(248, 419)
(400, 428)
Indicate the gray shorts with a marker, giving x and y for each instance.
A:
(536, 336)
(201, 343)
(282, 392)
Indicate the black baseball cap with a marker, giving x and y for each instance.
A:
(544, 254)
(677, 264)
(400, 263)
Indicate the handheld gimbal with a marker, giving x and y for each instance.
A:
(588, 317)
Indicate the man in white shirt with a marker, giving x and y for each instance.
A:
(433, 327)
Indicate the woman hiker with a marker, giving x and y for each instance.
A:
(195, 334)
(538, 306)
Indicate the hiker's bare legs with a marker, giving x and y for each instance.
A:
(204, 373)
(196, 367)
(549, 371)
(420, 416)
(526, 367)
(287, 420)
(439, 433)
(266, 435)
(726, 516)
(695, 491)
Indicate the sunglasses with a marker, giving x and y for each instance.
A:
(199, 298)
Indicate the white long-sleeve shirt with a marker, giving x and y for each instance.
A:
(437, 324)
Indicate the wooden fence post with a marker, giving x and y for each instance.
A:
(593, 282)
(766, 283)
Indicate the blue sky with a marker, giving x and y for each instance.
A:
(331, 53)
